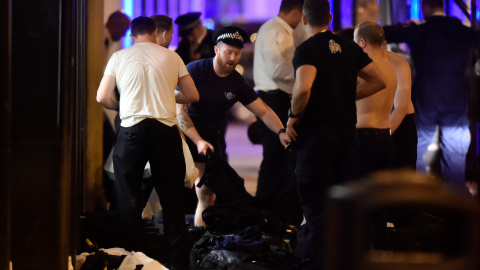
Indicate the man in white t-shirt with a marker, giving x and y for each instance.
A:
(274, 79)
(146, 75)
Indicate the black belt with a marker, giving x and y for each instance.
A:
(372, 131)
(273, 92)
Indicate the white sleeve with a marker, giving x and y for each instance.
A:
(182, 69)
(111, 66)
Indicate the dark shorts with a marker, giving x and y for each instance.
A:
(215, 138)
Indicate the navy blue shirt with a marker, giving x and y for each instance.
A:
(217, 94)
(440, 49)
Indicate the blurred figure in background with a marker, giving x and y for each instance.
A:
(115, 28)
(274, 79)
(195, 40)
(440, 47)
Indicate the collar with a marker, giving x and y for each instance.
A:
(439, 13)
(283, 23)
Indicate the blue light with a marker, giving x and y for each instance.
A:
(127, 9)
(209, 24)
(415, 10)
(477, 14)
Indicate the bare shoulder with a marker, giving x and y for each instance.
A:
(395, 59)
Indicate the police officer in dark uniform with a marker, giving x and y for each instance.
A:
(196, 41)
(220, 87)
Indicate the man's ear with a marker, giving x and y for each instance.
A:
(362, 43)
(304, 19)
(133, 39)
(330, 19)
(384, 44)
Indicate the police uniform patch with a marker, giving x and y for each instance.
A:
(229, 95)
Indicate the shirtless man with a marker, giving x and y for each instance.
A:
(373, 142)
(404, 131)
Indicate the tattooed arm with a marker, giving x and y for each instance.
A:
(186, 125)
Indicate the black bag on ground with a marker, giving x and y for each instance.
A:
(249, 249)
(233, 217)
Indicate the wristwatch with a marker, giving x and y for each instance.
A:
(291, 115)
(281, 131)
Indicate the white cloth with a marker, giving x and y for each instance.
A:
(274, 50)
(191, 172)
(146, 76)
(131, 261)
(153, 205)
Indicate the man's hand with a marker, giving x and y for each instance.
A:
(291, 132)
(203, 146)
(284, 139)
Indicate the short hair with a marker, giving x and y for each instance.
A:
(288, 5)
(317, 12)
(162, 23)
(433, 3)
(142, 25)
(372, 32)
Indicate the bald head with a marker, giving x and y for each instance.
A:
(371, 32)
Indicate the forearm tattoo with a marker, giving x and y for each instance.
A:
(184, 121)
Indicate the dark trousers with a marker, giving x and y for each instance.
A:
(151, 141)
(324, 153)
(276, 189)
(313, 189)
(373, 151)
(405, 144)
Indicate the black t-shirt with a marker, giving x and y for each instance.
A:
(337, 61)
(217, 94)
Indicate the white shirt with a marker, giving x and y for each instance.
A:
(274, 49)
(146, 75)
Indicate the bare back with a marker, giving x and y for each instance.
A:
(404, 80)
(374, 111)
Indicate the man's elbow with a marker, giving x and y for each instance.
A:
(191, 98)
(380, 85)
(195, 97)
(101, 99)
